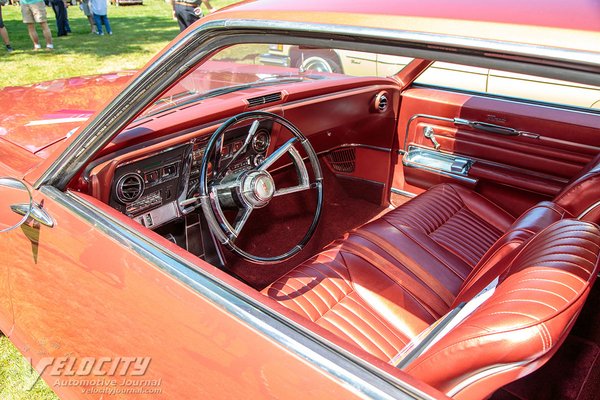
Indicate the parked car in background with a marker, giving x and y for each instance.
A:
(402, 221)
(475, 79)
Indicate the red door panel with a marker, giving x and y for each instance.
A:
(532, 160)
(78, 292)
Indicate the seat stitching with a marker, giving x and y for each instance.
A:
(550, 281)
(383, 338)
(537, 290)
(547, 270)
(526, 301)
(414, 240)
(377, 316)
(358, 332)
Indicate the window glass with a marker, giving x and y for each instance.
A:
(510, 84)
(240, 66)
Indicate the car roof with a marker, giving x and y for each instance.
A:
(573, 24)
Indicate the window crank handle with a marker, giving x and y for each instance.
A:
(429, 133)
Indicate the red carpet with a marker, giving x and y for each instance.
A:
(279, 226)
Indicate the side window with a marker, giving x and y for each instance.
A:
(455, 76)
(520, 86)
(543, 89)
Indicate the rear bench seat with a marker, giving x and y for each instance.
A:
(384, 283)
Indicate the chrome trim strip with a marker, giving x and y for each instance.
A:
(509, 99)
(198, 44)
(364, 146)
(589, 209)
(343, 366)
(482, 375)
(403, 192)
(461, 178)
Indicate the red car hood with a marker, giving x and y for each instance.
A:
(36, 116)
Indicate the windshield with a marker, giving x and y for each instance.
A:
(242, 67)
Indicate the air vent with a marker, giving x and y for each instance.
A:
(381, 102)
(130, 187)
(269, 98)
(342, 160)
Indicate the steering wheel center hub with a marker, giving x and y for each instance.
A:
(258, 188)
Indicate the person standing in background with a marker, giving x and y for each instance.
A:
(4, 32)
(100, 10)
(85, 7)
(35, 11)
(186, 12)
(60, 11)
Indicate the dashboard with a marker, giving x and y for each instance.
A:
(162, 187)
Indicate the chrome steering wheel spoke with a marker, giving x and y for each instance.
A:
(240, 220)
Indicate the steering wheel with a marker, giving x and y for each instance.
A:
(253, 188)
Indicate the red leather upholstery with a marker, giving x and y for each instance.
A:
(457, 219)
(543, 285)
(531, 222)
(583, 192)
(384, 283)
(529, 315)
(345, 294)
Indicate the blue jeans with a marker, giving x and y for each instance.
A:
(60, 11)
(102, 19)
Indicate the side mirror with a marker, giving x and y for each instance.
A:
(16, 204)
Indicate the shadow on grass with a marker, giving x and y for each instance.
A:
(131, 34)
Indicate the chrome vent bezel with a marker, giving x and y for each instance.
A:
(122, 193)
(261, 100)
(382, 102)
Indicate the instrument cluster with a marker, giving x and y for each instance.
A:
(161, 187)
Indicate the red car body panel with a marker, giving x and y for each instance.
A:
(188, 337)
(37, 116)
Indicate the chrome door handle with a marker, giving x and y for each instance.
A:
(38, 213)
(429, 133)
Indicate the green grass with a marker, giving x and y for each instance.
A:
(139, 33)
(15, 373)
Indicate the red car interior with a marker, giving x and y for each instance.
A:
(506, 194)
(381, 285)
